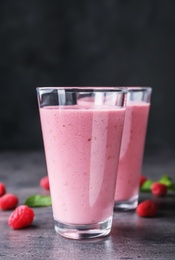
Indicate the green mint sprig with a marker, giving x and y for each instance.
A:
(165, 179)
(146, 186)
(38, 201)
(168, 182)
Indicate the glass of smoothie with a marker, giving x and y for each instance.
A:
(82, 129)
(132, 147)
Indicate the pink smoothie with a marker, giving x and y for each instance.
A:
(82, 150)
(132, 148)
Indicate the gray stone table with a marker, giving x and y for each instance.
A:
(131, 237)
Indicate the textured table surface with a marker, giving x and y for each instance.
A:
(131, 237)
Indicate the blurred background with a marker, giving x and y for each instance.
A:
(107, 42)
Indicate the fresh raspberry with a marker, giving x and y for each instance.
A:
(142, 180)
(146, 209)
(21, 217)
(159, 189)
(44, 183)
(8, 201)
(2, 189)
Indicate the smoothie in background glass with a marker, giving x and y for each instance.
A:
(132, 147)
(82, 143)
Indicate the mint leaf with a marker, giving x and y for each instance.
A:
(167, 181)
(146, 186)
(38, 201)
(173, 186)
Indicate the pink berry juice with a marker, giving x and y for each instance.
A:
(82, 148)
(131, 154)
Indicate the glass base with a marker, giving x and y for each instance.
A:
(125, 205)
(85, 231)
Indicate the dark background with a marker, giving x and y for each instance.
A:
(105, 42)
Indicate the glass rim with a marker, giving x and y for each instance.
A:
(138, 88)
(119, 89)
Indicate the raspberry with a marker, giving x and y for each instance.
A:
(21, 217)
(2, 189)
(146, 209)
(159, 189)
(8, 201)
(142, 180)
(44, 183)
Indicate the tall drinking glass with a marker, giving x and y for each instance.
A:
(132, 147)
(82, 130)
